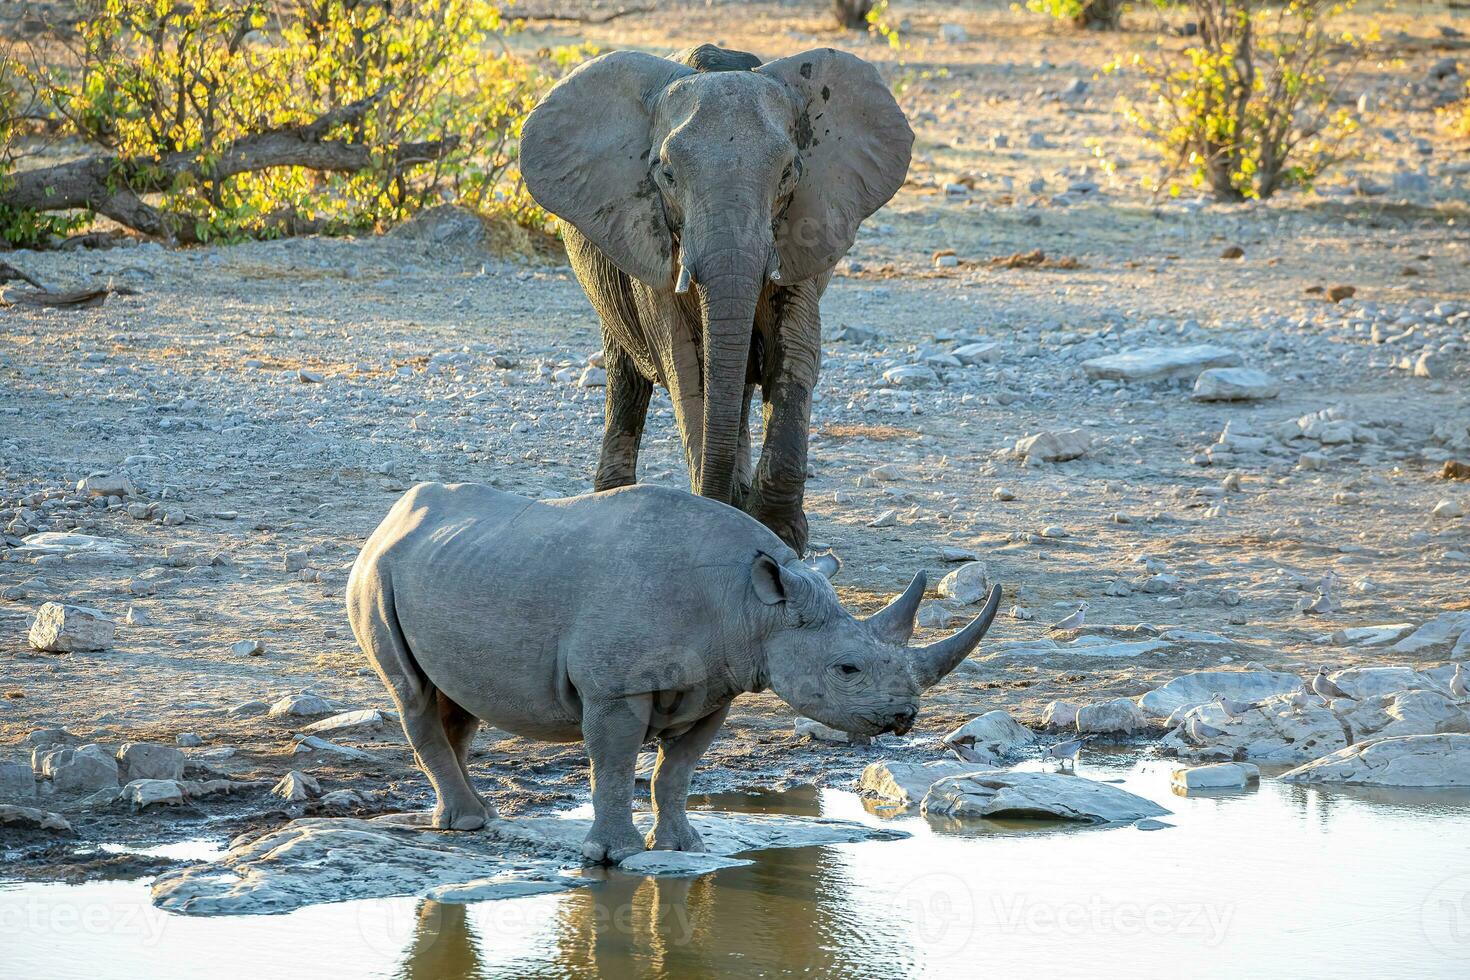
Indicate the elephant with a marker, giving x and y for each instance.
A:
(704, 205)
(616, 618)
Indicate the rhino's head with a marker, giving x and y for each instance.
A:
(858, 675)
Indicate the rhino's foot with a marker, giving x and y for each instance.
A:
(464, 817)
(604, 846)
(675, 835)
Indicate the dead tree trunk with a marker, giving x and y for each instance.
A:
(111, 185)
(852, 14)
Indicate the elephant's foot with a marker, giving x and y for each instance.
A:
(789, 523)
(609, 845)
(675, 834)
(469, 815)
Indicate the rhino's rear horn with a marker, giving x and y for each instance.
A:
(894, 623)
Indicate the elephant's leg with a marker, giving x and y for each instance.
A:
(626, 407)
(613, 731)
(677, 758)
(788, 377)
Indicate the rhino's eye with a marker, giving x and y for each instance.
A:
(849, 668)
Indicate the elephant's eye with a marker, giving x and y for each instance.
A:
(849, 668)
(786, 174)
(669, 174)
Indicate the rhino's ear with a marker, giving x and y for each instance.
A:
(774, 583)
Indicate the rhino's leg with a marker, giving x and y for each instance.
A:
(677, 758)
(460, 726)
(613, 731)
(417, 700)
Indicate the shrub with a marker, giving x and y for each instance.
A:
(1096, 15)
(1247, 109)
(249, 118)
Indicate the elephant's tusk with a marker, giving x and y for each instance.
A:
(682, 286)
(775, 267)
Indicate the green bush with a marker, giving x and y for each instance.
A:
(1097, 15)
(1248, 108)
(405, 103)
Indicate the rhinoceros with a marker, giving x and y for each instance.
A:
(616, 618)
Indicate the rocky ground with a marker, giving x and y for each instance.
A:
(246, 414)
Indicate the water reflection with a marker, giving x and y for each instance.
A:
(443, 945)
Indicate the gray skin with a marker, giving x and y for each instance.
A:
(704, 205)
(616, 618)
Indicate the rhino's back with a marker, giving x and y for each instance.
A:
(503, 599)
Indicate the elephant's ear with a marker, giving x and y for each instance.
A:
(854, 143)
(584, 157)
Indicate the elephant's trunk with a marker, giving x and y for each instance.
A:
(730, 271)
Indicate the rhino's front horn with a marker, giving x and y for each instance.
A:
(894, 623)
(937, 659)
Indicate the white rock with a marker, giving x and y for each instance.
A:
(26, 816)
(143, 793)
(910, 375)
(1234, 385)
(1220, 775)
(592, 377)
(17, 781)
(248, 648)
(514, 884)
(82, 770)
(1054, 447)
(62, 628)
(106, 550)
(106, 485)
(907, 782)
(678, 863)
(146, 760)
(952, 33)
(1200, 687)
(1403, 713)
(978, 353)
(188, 740)
(312, 743)
(1371, 636)
(1153, 363)
(1408, 760)
(1436, 635)
(321, 859)
(295, 787)
(811, 728)
(966, 584)
(246, 709)
(364, 720)
(1035, 795)
(1367, 682)
(1449, 509)
(1281, 731)
(1060, 714)
(934, 616)
(992, 737)
(302, 705)
(1118, 716)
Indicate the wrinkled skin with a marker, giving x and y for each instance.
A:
(705, 203)
(616, 618)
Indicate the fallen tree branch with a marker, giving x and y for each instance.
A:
(586, 18)
(110, 185)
